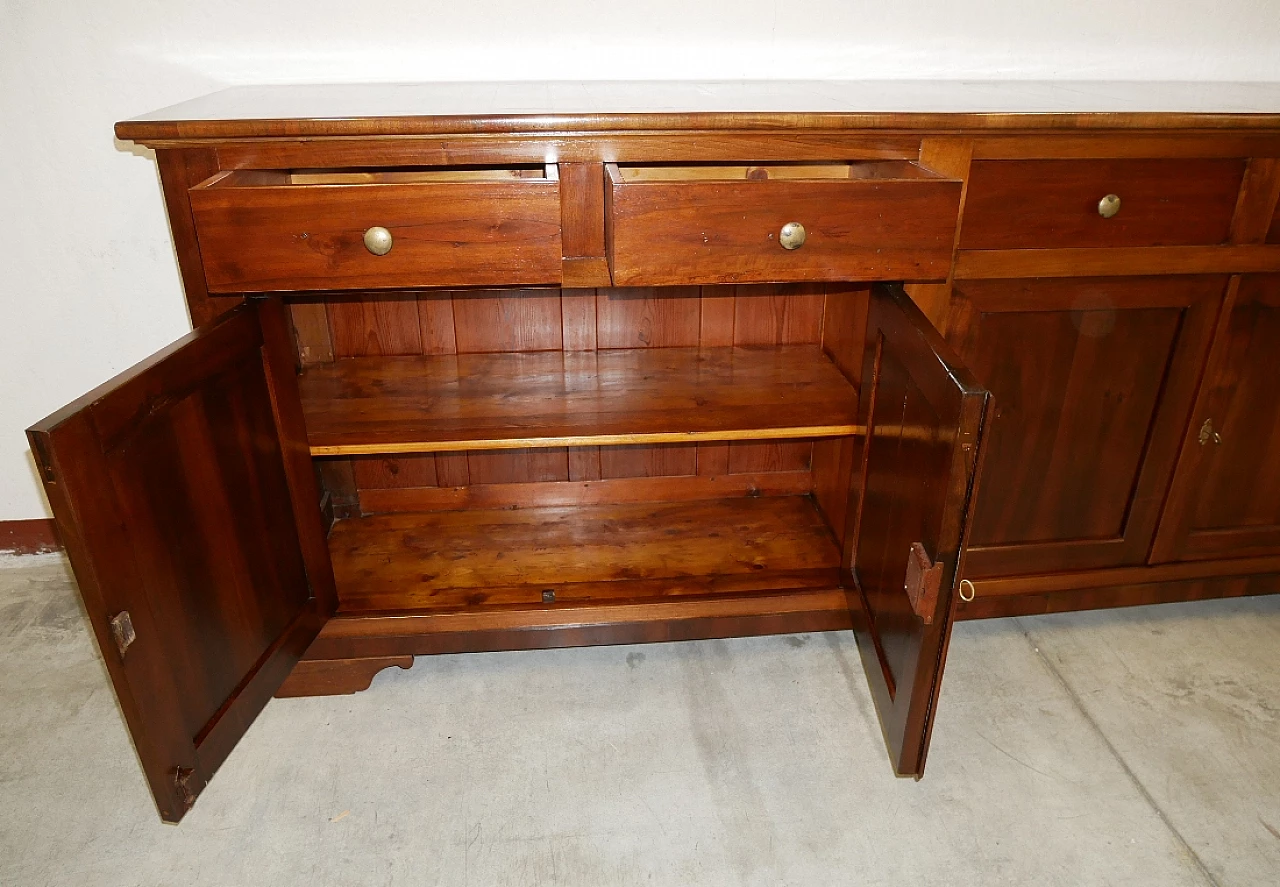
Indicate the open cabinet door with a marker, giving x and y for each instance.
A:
(184, 493)
(924, 417)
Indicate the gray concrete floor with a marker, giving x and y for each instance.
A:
(1127, 747)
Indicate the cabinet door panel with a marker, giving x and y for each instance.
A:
(924, 418)
(184, 492)
(1092, 382)
(1225, 500)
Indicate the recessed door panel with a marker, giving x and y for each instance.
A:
(1092, 382)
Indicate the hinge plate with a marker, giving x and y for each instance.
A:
(924, 578)
(122, 631)
(1207, 434)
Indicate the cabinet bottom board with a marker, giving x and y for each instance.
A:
(547, 557)
(347, 644)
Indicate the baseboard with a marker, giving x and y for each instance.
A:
(29, 536)
(1166, 592)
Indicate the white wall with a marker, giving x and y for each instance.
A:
(88, 281)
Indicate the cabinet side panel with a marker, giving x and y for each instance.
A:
(180, 169)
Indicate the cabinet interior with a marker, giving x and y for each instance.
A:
(408, 175)
(783, 171)
(544, 447)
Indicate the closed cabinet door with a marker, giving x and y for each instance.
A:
(1225, 499)
(1093, 381)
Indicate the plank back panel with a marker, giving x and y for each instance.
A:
(486, 321)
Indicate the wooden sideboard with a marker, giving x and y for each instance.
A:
(490, 367)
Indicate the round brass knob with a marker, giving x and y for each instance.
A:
(791, 236)
(1109, 206)
(377, 240)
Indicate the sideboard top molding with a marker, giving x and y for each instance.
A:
(400, 109)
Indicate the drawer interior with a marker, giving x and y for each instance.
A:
(802, 172)
(250, 178)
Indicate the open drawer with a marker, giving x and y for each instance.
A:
(286, 230)
(698, 224)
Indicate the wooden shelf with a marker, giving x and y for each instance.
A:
(551, 399)
(607, 554)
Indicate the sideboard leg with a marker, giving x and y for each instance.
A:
(336, 677)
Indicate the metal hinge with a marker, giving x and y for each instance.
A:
(122, 631)
(1208, 434)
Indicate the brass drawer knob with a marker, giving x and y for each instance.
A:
(377, 240)
(791, 236)
(1109, 206)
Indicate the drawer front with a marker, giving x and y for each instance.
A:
(1045, 204)
(690, 231)
(289, 237)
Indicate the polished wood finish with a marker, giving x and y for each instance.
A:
(1093, 380)
(1150, 574)
(582, 224)
(1225, 499)
(417, 496)
(583, 553)
(444, 322)
(268, 232)
(543, 627)
(651, 232)
(588, 398)
(1033, 603)
(185, 502)
(337, 677)
(1259, 199)
(951, 157)
(1120, 262)
(1026, 204)
(179, 172)
(875, 220)
(673, 107)
(924, 416)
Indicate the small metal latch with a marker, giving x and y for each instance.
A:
(122, 631)
(548, 595)
(1208, 434)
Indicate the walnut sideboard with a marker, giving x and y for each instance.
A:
(496, 367)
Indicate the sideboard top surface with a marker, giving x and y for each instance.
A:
(373, 109)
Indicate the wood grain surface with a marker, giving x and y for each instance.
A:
(553, 399)
(269, 235)
(1041, 204)
(480, 558)
(681, 229)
